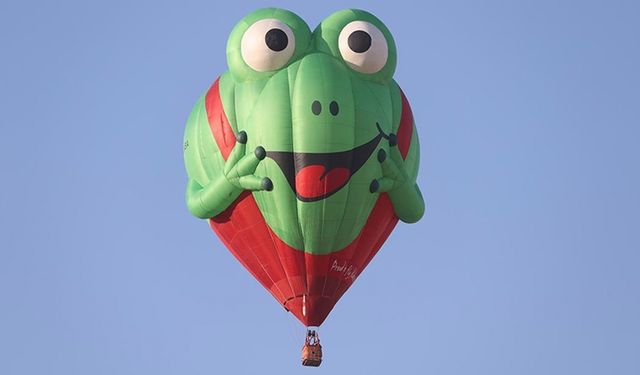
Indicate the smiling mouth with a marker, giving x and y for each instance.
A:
(317, 175)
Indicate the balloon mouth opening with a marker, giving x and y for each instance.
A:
(314, 176)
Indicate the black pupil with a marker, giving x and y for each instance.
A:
(359, 41)
(276, 40)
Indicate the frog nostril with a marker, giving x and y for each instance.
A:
(333, 108)
(316, 107)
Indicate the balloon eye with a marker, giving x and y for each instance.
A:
(276, 40)
(363, 47)
(267, 45)
(359, 41)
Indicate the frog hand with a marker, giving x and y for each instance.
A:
(240, 167)
(394, 174)
(403, 191)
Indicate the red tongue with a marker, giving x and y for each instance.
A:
(310, 182)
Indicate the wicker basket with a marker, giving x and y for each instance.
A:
(312, 350)
(312, 354)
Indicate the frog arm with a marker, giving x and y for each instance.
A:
(400, 183)
(214, 197)
(210, 200)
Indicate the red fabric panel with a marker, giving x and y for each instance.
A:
(243, 230)
(218, 122)
(405, 131)
(230, 233)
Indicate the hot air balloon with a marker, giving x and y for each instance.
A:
(303, 156)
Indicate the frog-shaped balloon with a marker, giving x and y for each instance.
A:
(304, 155)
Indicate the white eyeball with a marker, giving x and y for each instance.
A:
(267, 45)
(363, 47)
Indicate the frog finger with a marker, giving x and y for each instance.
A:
(237, 152)
(248, 164)
(253, 183)
(386, 184)
(383, 185)
(390, 168)
(396, 156)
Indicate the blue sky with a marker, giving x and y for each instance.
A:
(527, 261)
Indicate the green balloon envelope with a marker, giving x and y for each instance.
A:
(304, 155)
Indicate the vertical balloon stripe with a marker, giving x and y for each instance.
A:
(218, 122)
(406, 127)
